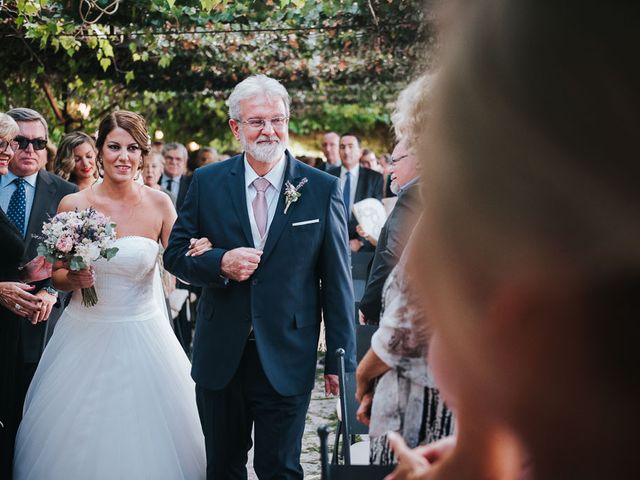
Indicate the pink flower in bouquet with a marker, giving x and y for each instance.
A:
(64, 244)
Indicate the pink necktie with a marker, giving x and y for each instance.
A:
(259, 204)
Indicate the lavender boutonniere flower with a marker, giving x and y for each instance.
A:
(291, 193)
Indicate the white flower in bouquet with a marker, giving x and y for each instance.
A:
(78, 239)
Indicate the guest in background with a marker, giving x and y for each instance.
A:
(76, 159)
(152, 171)
(399, 224)
(395, 386)
(49, 163)
(174, 178)
(368, 159)
(357, 184)
(18, 305)
(331, 150)
(206, 156)
(29, 196)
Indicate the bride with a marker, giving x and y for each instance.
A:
(112, 396)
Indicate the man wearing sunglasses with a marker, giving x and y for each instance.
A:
(29, 195)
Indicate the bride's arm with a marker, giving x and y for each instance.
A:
(169, 216)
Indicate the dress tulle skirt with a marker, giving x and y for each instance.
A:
(112, 399)
(78, 426)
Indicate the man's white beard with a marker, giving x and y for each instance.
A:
(266, 153)
(394, 187)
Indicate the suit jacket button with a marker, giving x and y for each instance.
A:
(254, 281)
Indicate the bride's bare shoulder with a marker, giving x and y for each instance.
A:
(157, 198)
(72, 201)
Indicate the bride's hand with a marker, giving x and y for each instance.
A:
(198, 246)
(81, 278)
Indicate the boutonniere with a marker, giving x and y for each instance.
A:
(291, 193)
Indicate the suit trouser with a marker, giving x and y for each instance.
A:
(227, 416)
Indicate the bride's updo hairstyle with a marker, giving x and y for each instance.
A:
(133, 123)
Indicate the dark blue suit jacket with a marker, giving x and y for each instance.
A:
(283, 300)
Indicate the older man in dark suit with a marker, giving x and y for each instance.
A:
(395, 232)
(29, 196)
(278, 229)
(174, 178)
(357, 184)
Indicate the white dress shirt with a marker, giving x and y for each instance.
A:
(355, 173)
(275, 178)
(175, 186)
(7, 187)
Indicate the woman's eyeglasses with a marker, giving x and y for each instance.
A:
(37, 143)
(5, 144)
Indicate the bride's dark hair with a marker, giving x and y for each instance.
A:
(133, 123)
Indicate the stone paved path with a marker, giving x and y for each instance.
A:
(322, 411)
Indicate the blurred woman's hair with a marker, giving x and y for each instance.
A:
(411, 109)
(538, 111)
(8, 127)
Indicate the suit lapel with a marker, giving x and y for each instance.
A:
(279, 218)
(237, 192)
(360, 187)
(45, 191)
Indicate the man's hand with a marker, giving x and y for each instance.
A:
(331, 385)
(412, 464)
(361, 318)
(15, 296)
(42, 314)
(240, 263)
(355, 244)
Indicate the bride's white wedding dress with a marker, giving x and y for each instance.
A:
(112, 397)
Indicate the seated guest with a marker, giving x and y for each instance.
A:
(357, 184)
(75, 159)
(397, 228)
(527, 257)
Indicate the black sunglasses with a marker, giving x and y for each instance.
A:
(38, 143)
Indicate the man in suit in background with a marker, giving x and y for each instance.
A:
(174, 178)
(395, 232)
(357, 184)
(29, 196)
(331, 149)
(278, 229)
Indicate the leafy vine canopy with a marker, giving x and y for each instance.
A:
(343, 62)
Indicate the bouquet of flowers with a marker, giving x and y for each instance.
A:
(78, 239)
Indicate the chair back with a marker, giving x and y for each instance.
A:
(349, 406)
(332, 471)
(363, 339)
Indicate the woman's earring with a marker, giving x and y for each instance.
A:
(100, 166)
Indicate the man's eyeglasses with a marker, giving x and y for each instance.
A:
(4, 145)
(260, 123)
(38, 143)
(393, 161)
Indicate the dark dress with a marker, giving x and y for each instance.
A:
(12, 248)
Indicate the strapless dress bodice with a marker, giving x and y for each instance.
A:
(124, 284)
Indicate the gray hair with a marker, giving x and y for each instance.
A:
(175, 146)
(411, 109)
(253, 86)
(28, 115)
(8, 127)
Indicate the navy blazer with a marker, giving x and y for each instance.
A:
(282, 301)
